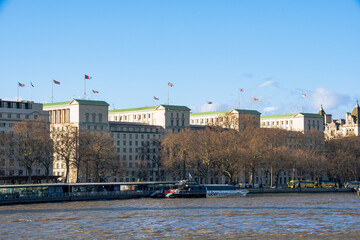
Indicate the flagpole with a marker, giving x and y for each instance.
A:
(168, 94)
(52, 91)
(239, 99)
(18, 92)
(84, 88)
(31, 91)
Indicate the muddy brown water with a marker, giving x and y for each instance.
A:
(265, 216)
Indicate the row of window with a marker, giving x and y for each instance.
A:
(16, 116)
(94, 119)
(277, 123)
(130, 135)
(134, 129)
(89, 127)
(17, 105)
(135, 117)
(177, 123)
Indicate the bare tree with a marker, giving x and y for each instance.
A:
(103, 160)
(33, 144)
(65, 145)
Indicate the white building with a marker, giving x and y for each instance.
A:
(234, 118)
(300, 122)
(134, 130)
(13, 112)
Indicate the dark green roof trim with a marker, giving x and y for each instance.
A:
(175, 107)
(80, 101)
(292, 115)
(247, 111)
(170, 107)
(133, 109)
(91, 102)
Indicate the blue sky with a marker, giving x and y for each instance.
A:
(274, 50)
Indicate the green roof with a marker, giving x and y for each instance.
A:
(209, 113)
(56, 104)
(133, 109)
(225, 112)
(80, 101)
(292, 115)
(174, 107)
(247, 111)
(91, 102)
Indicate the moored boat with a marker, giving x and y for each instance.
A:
(186, 189)
(224, 191)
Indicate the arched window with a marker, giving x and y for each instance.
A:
(86, 117)
(100, 117)
(93, 117)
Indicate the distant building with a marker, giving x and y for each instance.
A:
(300, 122)
(13, 112)
(136, 133)
(232, 119)
(342, 127)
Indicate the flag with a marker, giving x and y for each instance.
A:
(304, 95)
(170, 84)
(155, 98)
(31, 84)
(56, 82)
(256, 99)
(21, 85)
(94, 91)
(241, 90)
(87, 77)
(208, 102)
(190, 177)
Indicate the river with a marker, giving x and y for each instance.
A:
(261, 216)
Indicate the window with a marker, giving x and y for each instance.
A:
(17, 115)
(9, 115)
(86, 117)
(93, 117)
(100, 118)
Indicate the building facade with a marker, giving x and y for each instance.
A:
(300, 122)
(136, 132)
(232, 119)
(12, 112)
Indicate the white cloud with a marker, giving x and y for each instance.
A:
(327, 98)
(270, 109)
(268, 83)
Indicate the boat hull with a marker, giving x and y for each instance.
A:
(226, 194)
